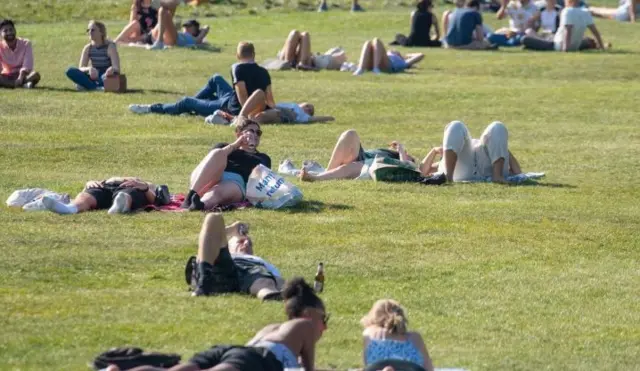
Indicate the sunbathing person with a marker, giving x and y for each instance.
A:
(142, 19)
(118, 194)
(103, 56)
(422, 20)
(16, 59)
(628, 11)
(226, 263)
(221, 177)
(376, 58)
(387, 337)
(283, 113)
(467, 159)
(355, 7)
(297, 53)
(166, 34)
(287, 345)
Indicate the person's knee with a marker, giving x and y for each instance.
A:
(304, 34)
(497, 127)
(216, 78)
(294, 34)
(455, 126)
(259, 93)
(212, 219)
(367, 44)
(70, 71)
(349, 135)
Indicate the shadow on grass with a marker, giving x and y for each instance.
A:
(51, 88)
(548, 185)
(308, 207)
(155, 91)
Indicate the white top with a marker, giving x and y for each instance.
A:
(301, 115)
(578, 18)
(258, 260)
(520, 15)
(548, 20)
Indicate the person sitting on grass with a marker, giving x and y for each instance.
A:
(118, 194)
(297, 53)
(521, 13)
(283, 113)
(376, 58)
(387, 337)
(16, 59)
(287, 345)
(142, 19)
(628, 11)
(546, 21)
(422, 20)
(467, 159)
(103, 56)
(574, 21)
(226, 263)
(166, 34)
(355, 7)
(221, 177)
(465, 29)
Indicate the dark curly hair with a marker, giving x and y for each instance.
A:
(298, 296)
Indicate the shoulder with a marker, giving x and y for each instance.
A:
(304, 325)
(112, 46)
(86, 47)
(415, 337)
(25, 42)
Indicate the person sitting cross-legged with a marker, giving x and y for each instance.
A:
(465, 29)
(226, 263)
(221, 177)
(118, 194)
(16, 59)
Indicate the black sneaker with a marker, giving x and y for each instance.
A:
(191, 273)
(163, 197)
(196, 204)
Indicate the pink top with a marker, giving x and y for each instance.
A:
(12, 61)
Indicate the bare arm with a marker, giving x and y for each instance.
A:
(567, 38)
(503, 9)
(241, 92)
(632, 10)
(436, 26)
(531, 23)
(133, 15)
(203, 33)
(417, 341)
(112, 51)
(445, 21)
(412, 19)
(413, 58)
(321, 118)
(596, 34)
(479, 33)
(84, 59)
(308, 352)
(426, 166)
(271, 102)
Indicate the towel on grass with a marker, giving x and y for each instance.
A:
(178, 198)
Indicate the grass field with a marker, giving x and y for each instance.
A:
(494, 277)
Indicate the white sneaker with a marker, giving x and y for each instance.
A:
(358, 72)
(158, 45)
(119, 204)
(216, 119)
(288, 168)
(28, 85)
(140, 109)
(312, 167)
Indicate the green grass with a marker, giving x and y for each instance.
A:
(494, 277)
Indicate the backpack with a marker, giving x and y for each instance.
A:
(131, 357)
(276, 64)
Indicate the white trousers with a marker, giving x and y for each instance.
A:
(476, 157)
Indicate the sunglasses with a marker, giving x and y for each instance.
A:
(90, 30)
(256, 132)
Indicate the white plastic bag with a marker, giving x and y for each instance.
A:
(268, 190)
(30, 199)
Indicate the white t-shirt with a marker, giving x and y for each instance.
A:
(258, 260)
(580, 19)
(548, 20)
(519, 15)
(301, 115)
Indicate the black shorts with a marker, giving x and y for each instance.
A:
(147, 38)
(104, 196)
(249, 272)
(241, 357)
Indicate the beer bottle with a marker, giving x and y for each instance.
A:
(318, 284)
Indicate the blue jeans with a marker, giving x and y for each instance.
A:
(502, 40)
(212, 97)
(83, 80)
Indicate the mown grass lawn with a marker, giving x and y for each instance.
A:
(494, 277)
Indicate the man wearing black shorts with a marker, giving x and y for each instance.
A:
(226, 264)
(119, 195)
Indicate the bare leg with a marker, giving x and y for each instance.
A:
(271, 116)
(608, 13)
(380, 58)
(213, 237)
(130, 33)
(366, 57)
(208, 172)
(514, 165)
(346, 149)
(349, 171)
(224, 193)
(263, 287)
(497, 167)
(165, 31)
(85, 202)
(289, 51)
(256, 103)
(450, 159)
(304, 56)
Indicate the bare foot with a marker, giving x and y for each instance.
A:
(305, 176)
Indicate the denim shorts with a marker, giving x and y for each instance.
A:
(236, 179)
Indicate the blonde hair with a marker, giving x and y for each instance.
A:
(387, 314)
(102, 28)
(246, 50)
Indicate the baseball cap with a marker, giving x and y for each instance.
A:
(190, 23)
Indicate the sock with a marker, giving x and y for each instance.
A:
(196, 204)
(376, 71)
(59, 207)
(187, 199)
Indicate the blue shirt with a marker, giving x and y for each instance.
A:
(462, 26)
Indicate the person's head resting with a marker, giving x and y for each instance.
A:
(97, 32)
(388, 315)
(472, 4)
(246, 125)
(240, 245)
(424, 5)
(308, 108)
(300, 301)
(246, 51)
(191, 27)
(7, 30)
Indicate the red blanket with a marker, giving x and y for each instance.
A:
(178, 198)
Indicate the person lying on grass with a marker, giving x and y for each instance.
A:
(142, 19)
(291, 344)
(166, 34)
(297, 53)
(16, 59)
(226, 263)
(221, 177)
(118, 194)
(377, 59)
(255, 108)
(99, 60)
(387, 337)
(350, 161)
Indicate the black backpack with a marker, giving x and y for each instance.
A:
(128, 358)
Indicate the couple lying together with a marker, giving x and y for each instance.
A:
(226, 264)
(250, 96)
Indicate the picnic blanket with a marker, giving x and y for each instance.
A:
(178, 198)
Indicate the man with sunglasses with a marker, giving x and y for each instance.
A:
(221, 177)
(16, 59)
(226, 264)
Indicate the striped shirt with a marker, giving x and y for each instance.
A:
(99, 57)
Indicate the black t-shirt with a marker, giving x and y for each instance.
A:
(255, 78)
(420, 29)
(242, 162)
